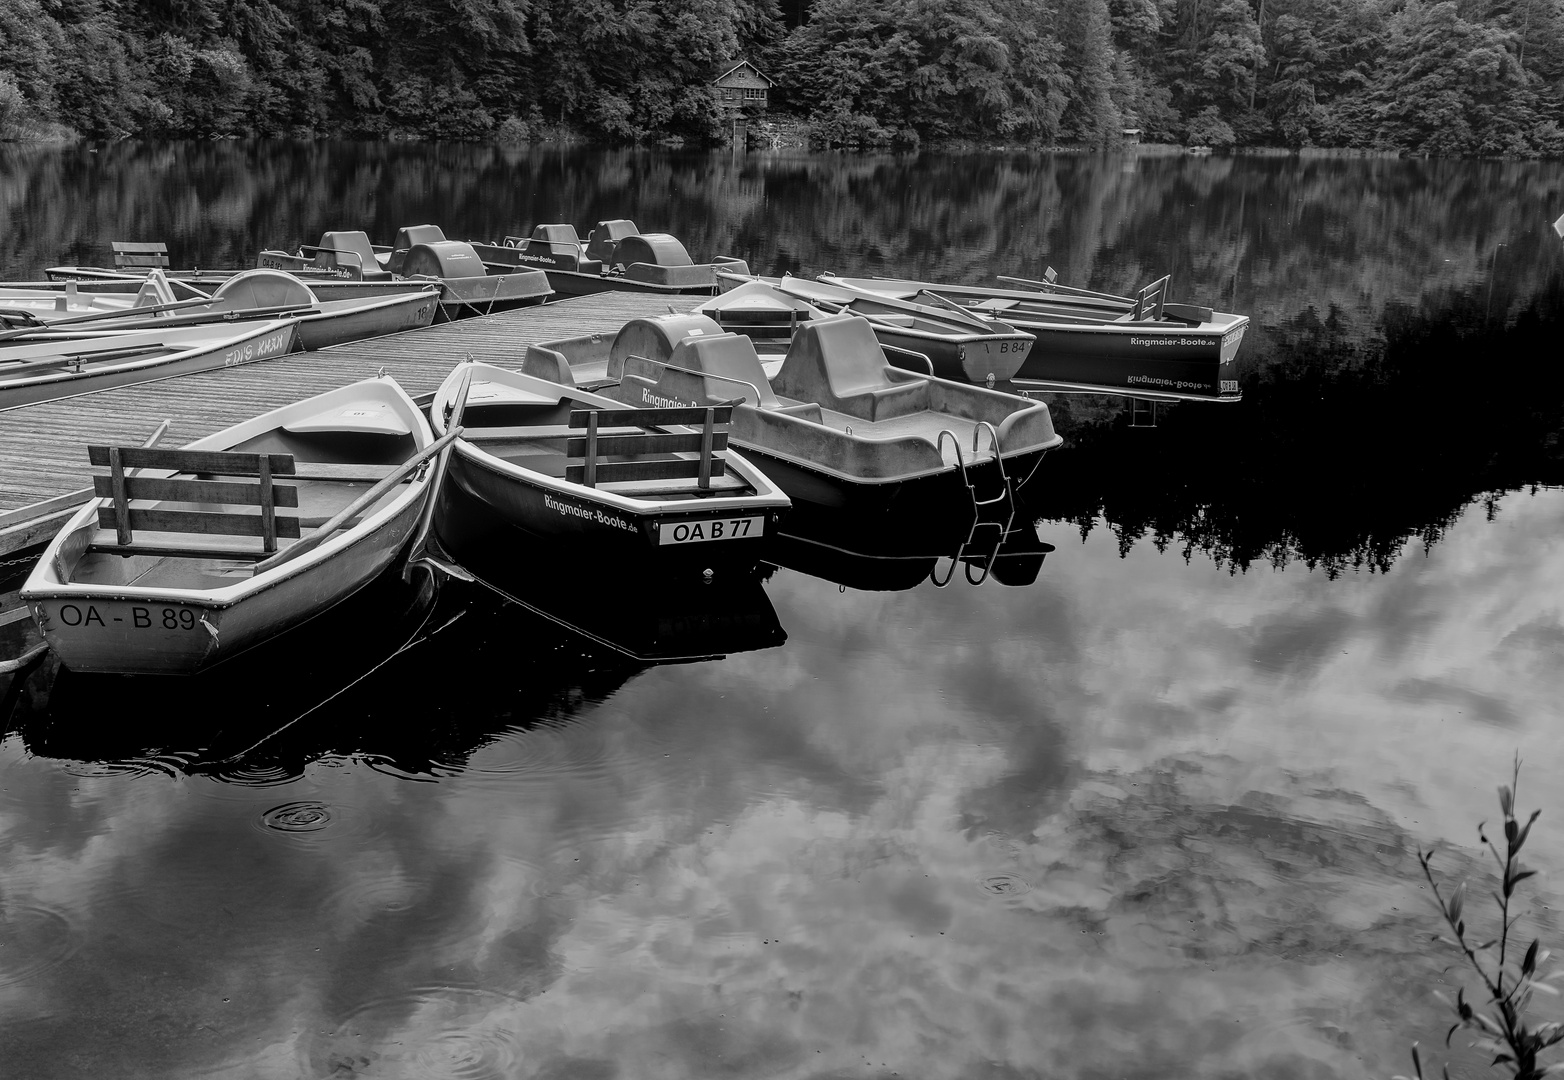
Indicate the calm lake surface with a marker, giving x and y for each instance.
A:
(1149, 809)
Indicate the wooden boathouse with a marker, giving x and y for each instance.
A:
(44, 472)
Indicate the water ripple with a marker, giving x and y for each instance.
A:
(129, 768)
(1004, 885)
(33, 939)
(432, 1033)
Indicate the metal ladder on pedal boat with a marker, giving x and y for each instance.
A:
(1005, 500)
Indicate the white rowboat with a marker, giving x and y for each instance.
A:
(171, 571)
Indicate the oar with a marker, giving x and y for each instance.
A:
(175, 283)
(904, 305)
(224, 315)
(838, 307)
(1054, 286)
(76, 359)
(416, 550)
(341, 517)
(97, 316)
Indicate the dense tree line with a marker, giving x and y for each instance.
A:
(1425, 76)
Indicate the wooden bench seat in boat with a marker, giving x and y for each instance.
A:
(138, 256)
(122, 488)
(647, 462)
(225, 533)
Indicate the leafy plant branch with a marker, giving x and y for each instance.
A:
(1500, 1024)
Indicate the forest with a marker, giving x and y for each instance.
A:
(1433, 77)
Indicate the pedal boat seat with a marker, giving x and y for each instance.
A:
(837, 361)
(351, 251)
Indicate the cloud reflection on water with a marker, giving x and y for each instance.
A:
(1127, 822)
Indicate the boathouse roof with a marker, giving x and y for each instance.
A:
(731, 67)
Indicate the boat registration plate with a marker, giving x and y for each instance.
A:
(695, 532)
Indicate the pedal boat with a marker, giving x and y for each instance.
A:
(616, 257)
(170, 571)
(834, 423)
(469, 285)
(46, 363)
(1091, 342)
(252, 294)
(655, 489)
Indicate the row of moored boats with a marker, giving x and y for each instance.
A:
(678, 447)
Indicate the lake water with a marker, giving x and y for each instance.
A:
(1150, 809)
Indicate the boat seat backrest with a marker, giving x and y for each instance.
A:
(215, 500)
(655, 249)
(134, 255)
(603, 241)
(556, 234)
(729, 366)
(417, 234)
(621, 447)
(838, 362)
(351, 250)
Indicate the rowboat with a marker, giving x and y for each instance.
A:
(616, 256)
(468, 284)
(66, 362)
(1086, 341)
(839, 428)
(653, 489)
(86, 284)
(959, 345)
(248, 295)
(170, 571)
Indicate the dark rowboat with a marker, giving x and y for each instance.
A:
(1141, 345)
(634, 490)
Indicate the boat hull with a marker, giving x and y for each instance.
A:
(151, 635)
(980, 359)
(567, 283)
(483, 509)
(466, 297)
(567, 279)
(375, 318)
(903, 521)
(262, 342)
(1188, 362)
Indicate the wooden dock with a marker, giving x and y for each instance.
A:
(44, 472)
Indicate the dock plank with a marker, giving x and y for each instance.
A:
(43, 451)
